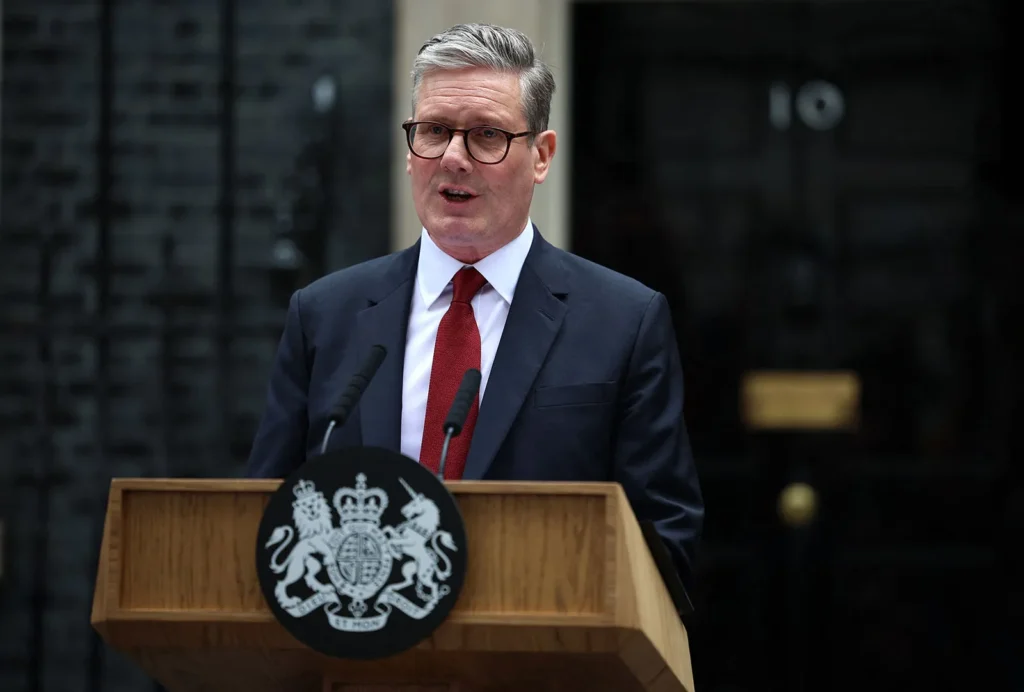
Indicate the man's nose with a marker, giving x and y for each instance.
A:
(455, 157)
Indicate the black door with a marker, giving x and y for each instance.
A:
(807, 184)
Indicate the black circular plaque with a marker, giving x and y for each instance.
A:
(361, 553)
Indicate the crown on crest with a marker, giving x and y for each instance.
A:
(360, 504)
(304, 490)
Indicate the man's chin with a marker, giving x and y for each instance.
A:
(456, 229)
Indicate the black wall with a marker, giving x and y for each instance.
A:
(157, 157)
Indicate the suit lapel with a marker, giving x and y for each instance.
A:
(534, 319)
(385, 321)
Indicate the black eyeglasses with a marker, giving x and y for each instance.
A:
(429, 140)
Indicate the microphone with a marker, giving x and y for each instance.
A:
(353, 392)
(458, 412)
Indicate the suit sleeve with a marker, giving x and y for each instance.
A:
(280, 441)
(653, 460)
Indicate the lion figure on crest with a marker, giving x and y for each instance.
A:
(412, 537)
(312, 516)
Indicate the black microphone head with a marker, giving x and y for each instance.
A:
(354, 391)
(463, 401)
(373, 361)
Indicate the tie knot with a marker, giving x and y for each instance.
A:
(467, 282)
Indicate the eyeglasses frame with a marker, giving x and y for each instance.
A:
(509, 136)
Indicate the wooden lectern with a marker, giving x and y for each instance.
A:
(561, 593)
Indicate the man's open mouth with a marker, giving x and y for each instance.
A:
(455, 194)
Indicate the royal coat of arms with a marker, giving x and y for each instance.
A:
(348, 566)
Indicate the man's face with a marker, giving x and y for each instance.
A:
(498, 203)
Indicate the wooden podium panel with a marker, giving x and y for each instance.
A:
(561, 593)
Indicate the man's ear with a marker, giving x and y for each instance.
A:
(408, 163)
(543, 151)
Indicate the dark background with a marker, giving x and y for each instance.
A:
(158, 157)
(883, 242)
(169, 179)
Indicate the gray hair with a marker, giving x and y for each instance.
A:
(496, 47)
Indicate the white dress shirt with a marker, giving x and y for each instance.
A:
(430, 300)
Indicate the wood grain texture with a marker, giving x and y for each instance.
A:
(100, 610)
(652, 650)
(561, 593)
(169, 539)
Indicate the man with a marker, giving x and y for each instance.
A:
(581, 379)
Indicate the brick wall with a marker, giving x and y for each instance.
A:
(140, 317)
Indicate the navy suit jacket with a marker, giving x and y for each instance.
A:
(586, 384)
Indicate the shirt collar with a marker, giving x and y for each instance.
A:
(501, 268)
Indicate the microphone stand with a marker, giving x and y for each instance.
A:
(327, 435)
(449, 431)
(464, 397)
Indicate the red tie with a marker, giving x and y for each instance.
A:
(456, 350)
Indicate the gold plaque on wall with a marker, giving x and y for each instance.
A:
(800, 400)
